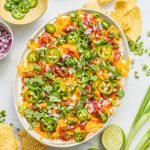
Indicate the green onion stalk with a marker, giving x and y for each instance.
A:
(144, 143)
(142, 116)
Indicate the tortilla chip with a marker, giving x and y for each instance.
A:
(93, 4)
(133, 18)
(131, 23)
(116, 17)
(122, 7)
(101, 2)
(28, 143)
(7, 138)
(119, 19)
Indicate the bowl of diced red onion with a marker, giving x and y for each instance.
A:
(6, 39)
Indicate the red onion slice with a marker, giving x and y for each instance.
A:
(5, 41)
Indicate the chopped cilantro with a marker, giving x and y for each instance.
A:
(136, 47)
(37, 68)
(136, 74)
(148, 33)
(144, 67)
(49, 75)
(132, 61)
(148, 72)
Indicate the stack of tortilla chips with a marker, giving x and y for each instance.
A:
(126, 13)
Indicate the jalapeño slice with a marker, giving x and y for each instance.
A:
(31, 96)
(33, 3)
(52, 55)
(50, 28)
(48, 124)
(105, 51)
(83, 76)
(82, 115)
(79, 136)
(17, 14)
(106, 87)
(72, 37)
(9, 6)
(87, 54)
(33, 57)
(23, 6)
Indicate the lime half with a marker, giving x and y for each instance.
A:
(113, 138)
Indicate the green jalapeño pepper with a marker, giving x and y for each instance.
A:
(33, 3)
(17, 14)
(83, 76)
(104, 117)
(50, 28)
(87, 54)
(9, 6)
(48, 124)
(82, 115)
(31, 96)
(105, 24)
(52, 55)
(23, 6)
(105, 51)
(72, 37)
(33, 57)
(106, 87)
(79, 136)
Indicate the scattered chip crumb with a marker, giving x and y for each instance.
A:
(7, 138)
(29, 143)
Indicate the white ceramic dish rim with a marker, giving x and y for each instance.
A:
(3, 24)
(24, 122)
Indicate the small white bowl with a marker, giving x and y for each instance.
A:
(7, 28)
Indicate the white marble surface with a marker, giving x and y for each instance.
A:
(135, 90)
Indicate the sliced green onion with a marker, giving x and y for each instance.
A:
(136, 74)
(144, 67)
(132, 61)
(148, 33)
(148, 72)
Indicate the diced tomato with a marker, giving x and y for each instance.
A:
(65, 103)
(43, 69)
(89, 88)
(62, 133)
(44, 39)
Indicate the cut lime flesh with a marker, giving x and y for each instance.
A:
(113, 138)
